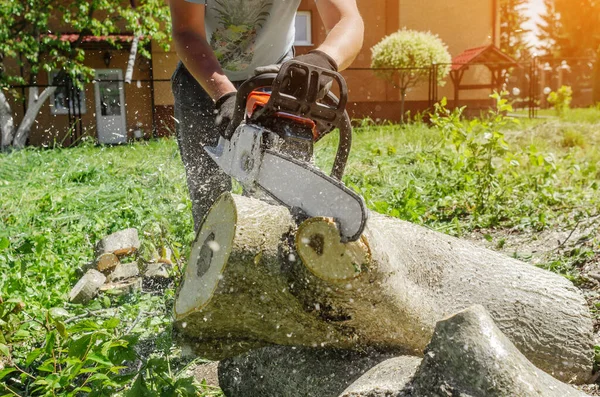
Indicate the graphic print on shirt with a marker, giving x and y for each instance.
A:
(240, 21)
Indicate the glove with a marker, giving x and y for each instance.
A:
(295, 82)
(224, 109)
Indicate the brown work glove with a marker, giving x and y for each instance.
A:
(295, 83)
(224, 109)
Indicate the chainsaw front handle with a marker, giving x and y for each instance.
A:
(330, 112)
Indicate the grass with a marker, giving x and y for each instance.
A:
(55, 204)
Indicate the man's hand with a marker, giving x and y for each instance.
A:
(295, 82)
(224, 109)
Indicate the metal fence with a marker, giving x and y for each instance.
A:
(528, 85)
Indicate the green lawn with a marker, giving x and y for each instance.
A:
(491, 179)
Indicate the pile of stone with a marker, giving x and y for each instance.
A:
(112, 269)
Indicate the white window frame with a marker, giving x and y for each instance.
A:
(308, 41)
(65, 111)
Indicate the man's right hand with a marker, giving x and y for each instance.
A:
(224, 109)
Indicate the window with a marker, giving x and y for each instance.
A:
(303, 28)
(65, 96)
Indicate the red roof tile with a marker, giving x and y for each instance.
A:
(481, 55)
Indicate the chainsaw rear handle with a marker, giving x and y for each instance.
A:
(330, 112)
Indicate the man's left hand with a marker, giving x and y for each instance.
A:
(296, 81)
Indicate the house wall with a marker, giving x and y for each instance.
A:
(462, 27)
(50, 128)
(470, 25)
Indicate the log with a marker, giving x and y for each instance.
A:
(236, 260)
(106, 262)
(467, 356)
(129, 286)
(253, 279)
(121, 243)
(87, 287)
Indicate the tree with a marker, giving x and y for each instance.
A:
(405, 59)
(29, 45)
(581, 22)
(512, 35)
(550, 31)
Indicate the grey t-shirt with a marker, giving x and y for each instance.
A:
(246, 34)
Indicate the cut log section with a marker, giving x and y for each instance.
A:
(121, 243)
(234, 295)
(106, 262)
(129, 286)
(87, 287)
(252, 280)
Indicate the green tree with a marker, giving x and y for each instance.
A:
(512, 35)
(550, 31)
(581, 22)
(405, 58)
(31, 43)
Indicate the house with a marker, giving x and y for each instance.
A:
(115, 111)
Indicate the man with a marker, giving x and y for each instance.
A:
(221, 44)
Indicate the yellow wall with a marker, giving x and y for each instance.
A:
(50, 128)
(461, 25)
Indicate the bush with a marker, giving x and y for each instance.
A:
(561, 99)
(411, 54)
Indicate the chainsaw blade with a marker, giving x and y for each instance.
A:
(297, 184)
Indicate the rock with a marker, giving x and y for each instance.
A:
(277, 371)
(469, 356)
(87, 287)
(388, 378)
(106, 262)
(157, 276)
(124, 287)
(158, 270)
(123, 271)
(121, 243)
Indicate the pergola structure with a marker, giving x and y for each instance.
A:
(491, 57)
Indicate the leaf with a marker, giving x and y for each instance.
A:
(60, 327)
(138, 389)
(4, 350)
(32, 356)
(111, 323)
(94, 357)
(79, 346)
(4, 243)
(58, 312)
(6, 371)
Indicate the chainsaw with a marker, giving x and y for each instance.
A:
(268, 148)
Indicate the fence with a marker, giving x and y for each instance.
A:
(527, 83)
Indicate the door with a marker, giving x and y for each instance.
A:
(110, 106)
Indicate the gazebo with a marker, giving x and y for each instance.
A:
(491, 57)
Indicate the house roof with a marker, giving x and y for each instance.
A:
(489, 54)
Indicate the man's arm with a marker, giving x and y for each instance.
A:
(345, 30)
(192, 48)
